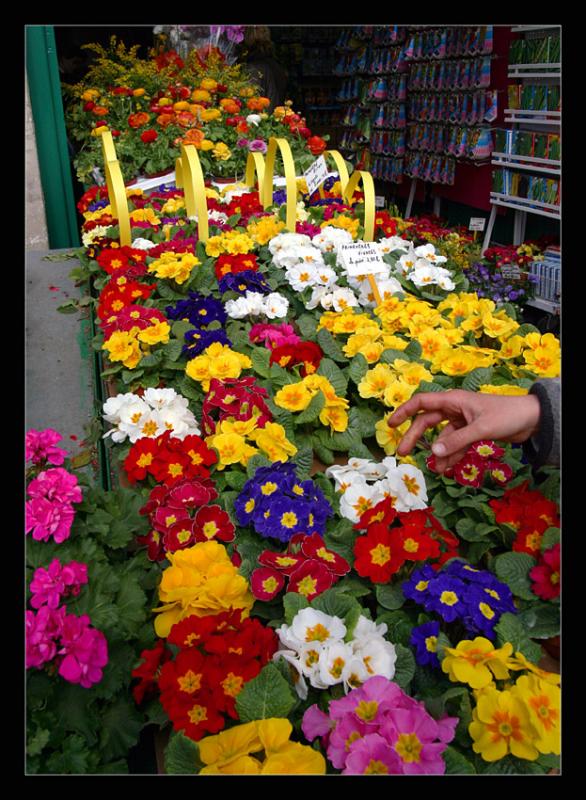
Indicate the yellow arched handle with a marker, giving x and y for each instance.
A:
(255, 170)
(116, 188)
(178, 173)
(341, 165)
(369, 204)
(290, 179)
(194, 189)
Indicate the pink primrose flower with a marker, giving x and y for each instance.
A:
(371, 755)
(348, 730)
(413, 734)
(315, 723)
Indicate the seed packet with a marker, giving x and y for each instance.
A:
(483, 146)
(528, 96)
(524, 143)
(540, 145)
(517, 52)
(553, 146)
(500, 140)
(541, 54)
(531, 48)
(540, 98)
(554, 49)
(553, 98)
(514, 95)
(485, 72)
(487, 43)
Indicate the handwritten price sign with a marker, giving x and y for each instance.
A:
(316, 174)
(362, 258)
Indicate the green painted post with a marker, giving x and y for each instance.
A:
(47, 108)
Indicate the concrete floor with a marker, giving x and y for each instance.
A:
(59, 380)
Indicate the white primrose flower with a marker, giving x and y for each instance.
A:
(378, 655)
(428, 251)
(330, 239)
(301, 276)
(112, 406)
(325, 276)
(311, 625)
(150, 427)
(407, 262)
(333, 663)
(444, 279)
(179, 421)
(285, 241)
(127, 413)
(365, 629)
(142, 244)
(423, 276)
(159, 398)
(359, 497)
(407, 484)
(320, 296)
(89, 237)
(293, 659)
(386, 287)
(309, 663)
(302, 214)
(392, 244)
(238, 308)
(275, 305)
(256, 302)
(343, 298)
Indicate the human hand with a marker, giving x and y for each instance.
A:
(471, 416)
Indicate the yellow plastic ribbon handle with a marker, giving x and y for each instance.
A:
(179, 173)
(290, 179)
(369, 205)
(116, 188)
(255, 170)
(194, 189)
(341, 166)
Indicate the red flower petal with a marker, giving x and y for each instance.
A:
(314, 547)
(266, 583)
(310, 579)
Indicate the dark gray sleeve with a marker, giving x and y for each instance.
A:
(544, 446)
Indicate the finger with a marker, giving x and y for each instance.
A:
(442, 464)
(423, 401)
(450, 442)
(418, 427)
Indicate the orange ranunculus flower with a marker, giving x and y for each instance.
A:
(196, 108)
(258, 103)
(182, 105)
(206, 144)
(242, 127)
(201, 96)
(229, 106)
(164, 101)
(165, 119)
(186, 119)
(139, 119)
(193, 136)
(138, 92)
(100, 111)
(248, 91)
(210, 84)
(90, 94)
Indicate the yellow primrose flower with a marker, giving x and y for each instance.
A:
(433, 343)
(91, 215)
(217, 361)
(176, 266)
(145, 215)
(236, 243)
(453, 335)
(475, 662)
(498, 328)
(392, 342)
(375, 381)
(293, 397)
(206, 144)
(241, 427)
(412, 372)
(473, 323)
(123, 346)
(199, 96)
(543, 361)
(200, 581)
(215, 246)
(336, 418)
(360, 340)
(388, 438)
(500, 725)
(344, 222)
(512, 347)
(521, 662)
(173, 205)
(301, 186)
(210, 84)
(90, 94)
(543, 701)
(265, 229)
(221, 151)
(504, 389)
(535, 340)
(273, 441)
(372, 351)
(295, 758)
(456, 363)
(481, 356)
(397, 393)
(231, 448)
(155, 334)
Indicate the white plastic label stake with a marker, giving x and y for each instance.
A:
(316, 174)
(379, 201)
(362, 258)
(510, 272)
(477, 223)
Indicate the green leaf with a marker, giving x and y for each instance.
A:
(268, 695)
(413, 350)
(474, 380)
(550, 487)
(334, 374)
(75, 714)
(390, 596)
(389, 356)
(182, 756)
(73, 758)
(336, 603)
(541, 621)
(254, 462)
(249, 547)
(304, 459)
(173, 349)
(313, 410)
(399, 626)
(510, 629)
(358, 368)
(307, 326)
(260, 361)
(473, 531)
(444, 380)
(404, 667)
(526, 328)
(456, 764)
(120, 726)
(180, 328)
(366, 420)
(429, 386)
(513, 569)
(293, 602)
(324, 454)
(353, 586)
(330, 346)
(509, 765)
(549, 761)
(36, 743)
(551, 537)
(235, 479)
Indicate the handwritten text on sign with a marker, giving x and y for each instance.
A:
(511, 272)
(477, 224)
(316, 174)
(362, 258)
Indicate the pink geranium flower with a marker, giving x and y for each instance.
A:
(46, 519)
(56, 485)
(40, 446)
(84, 651)
(41, 631)
(49, 585)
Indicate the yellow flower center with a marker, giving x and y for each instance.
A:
(323, 553)
(470, 473)
(311, 658)
(411, 485)
(183, 535)
(449, 598)
(190, 682)
(336, 668)
(486, 610)
(409, 747)
(380, 555)
(421, 586)
(149, 428)
(268, 488)
(270, 585)
(232, 684)
(410, 545)
(307, 585)
(352, 738)
(210, 529)
(145, 460)
(362, 505)
(431, 644)
(554, 578)
(319, 633)
(197, 714)
(366, 710)
(289, 519)
(298, 489)
(249, 505)
(376, 767)
(176, 469)
(196, 459)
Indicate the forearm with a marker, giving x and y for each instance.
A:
(544, 446)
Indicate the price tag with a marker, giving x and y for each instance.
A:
(379, 201)
(511, 272)
(362, 258)
(316, 174)
(477, 223)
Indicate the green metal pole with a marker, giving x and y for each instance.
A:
(47, 108)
